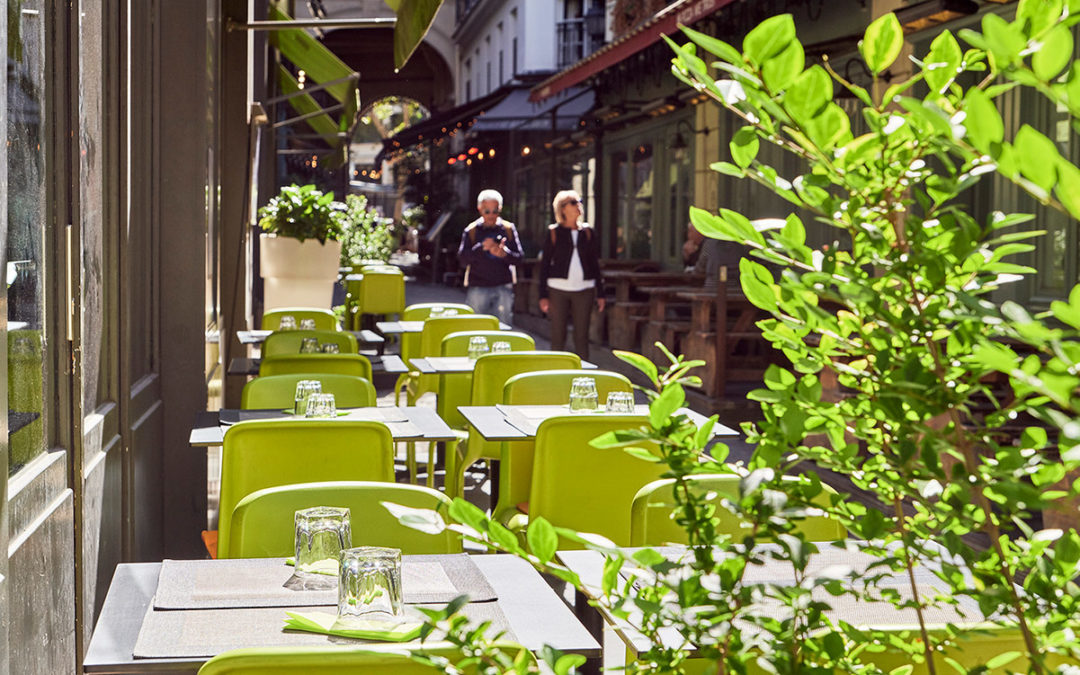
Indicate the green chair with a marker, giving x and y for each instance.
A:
(410, 342)
(344, 364)
(381, 290)
(267, 453)
(324, 318)
(431, 345)
(488, 379)
(279, 391)
(455, 388)
(551, 387)
(288, 341)
(583, 488)
(261, 525)
(371, 659)
(652, 522)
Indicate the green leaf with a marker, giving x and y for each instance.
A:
(713, 46)
(769, 38)
(808, 94)
(1002, 659)
(943, 62)
(640, 362)
(671, 399)
(830, 127)
(744, 146)
(1054, 54)
(642, 453)
(568, 662)
(648, 557)
(423, 520)
(1068, 187)
(882, 42)
(543, 541)
(714, 226)
(983, 122)
(610, 576)
(414, 18)
(503, 537)
(728, 169)
(1004, 40)
(1035, 16)
(704, 432)
(781, 70)
(468, 514)
(757, 283)
(1037, 156)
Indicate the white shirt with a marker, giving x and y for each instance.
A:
(575, 277)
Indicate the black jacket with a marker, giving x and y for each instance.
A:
(559, 248)
(486, 269)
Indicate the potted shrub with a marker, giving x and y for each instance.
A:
(366, 236)
(299, 247)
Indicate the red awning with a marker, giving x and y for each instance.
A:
(665, 22)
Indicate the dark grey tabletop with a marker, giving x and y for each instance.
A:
(399, 327)
(423, 424)
(457, 364)
(366, 338)
(494, 424)
(535, 614)
(384, 363)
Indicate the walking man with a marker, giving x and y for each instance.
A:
(489, 249)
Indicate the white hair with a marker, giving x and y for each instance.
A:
(485, 195)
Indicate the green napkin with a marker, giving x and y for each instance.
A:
(327, 624)
(328, 566)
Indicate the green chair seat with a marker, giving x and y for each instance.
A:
(268, 453)
(324, 318)
(279, 391)
(344, 364)
(262, 521)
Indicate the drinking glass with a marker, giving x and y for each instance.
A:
(321, 405)
(478, 346)
(449, 311)
(331, 348)
(369, 585)
(322, 533)
(436, 312)
(500, 347)
(620, 402)
(288, 322)
(307, 324)
(309, 345)
(583, 396)
(304, 389)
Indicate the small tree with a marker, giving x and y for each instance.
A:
(366, 236)
(899, 309)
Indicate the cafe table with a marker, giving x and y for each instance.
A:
(721, 318)
(589, 566)
(406, 423)
(172, 617)
(621, 326)
(446, 365)
(519, 422)
(380, 364)
(367, 339)
(389, 328)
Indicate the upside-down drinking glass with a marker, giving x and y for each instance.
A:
(304, 389)
(369, 585)
(620, 402)
(321, 405)
(307, 324)
(478, 346)
(309, 345)
(331, 348)
(288, 322)
(583, 396)
(322, 533)
(500, 347)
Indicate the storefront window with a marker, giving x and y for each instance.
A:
(26, 228)
(639, 226)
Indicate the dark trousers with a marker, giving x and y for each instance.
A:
(576, 305)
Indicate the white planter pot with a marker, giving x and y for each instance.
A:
(298, 274)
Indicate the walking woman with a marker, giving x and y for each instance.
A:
(570, 280)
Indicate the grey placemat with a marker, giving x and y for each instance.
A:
(260, 582)
(197, 633)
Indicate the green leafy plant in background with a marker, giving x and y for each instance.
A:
(956, 414)
(366, 235)
(302, 212)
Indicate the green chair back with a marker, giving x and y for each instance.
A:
(262, 521)
(324, 318)
(288, 341)
(279, 391)
(267, 453)
(652, 522)
(382, 291)
(551, 387)
(410, 342)
(379, 267)
(431, 342)
(370, 659)
(583, 488)
(344, 364)
(455, 388)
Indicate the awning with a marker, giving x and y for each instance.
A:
(665, 22)
(516, 112)
(443, 124)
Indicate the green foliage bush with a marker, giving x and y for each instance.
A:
(899, 310)
(302, 212)
(366, 236)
